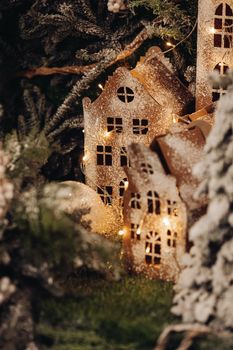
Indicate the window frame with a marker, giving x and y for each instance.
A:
(106, 194)
(153, 203)
(133, 232)
(154, 243)
(115, 124)
(125, 94)
(218, 90)
(124, 159)
(135, 201)
(104, 155)
(223, 37)
(140, 126)
(146, 168)
(172, 208)
(172, 239)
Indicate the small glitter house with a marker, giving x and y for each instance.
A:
(158, 204)
(135, 106)
(214, 47)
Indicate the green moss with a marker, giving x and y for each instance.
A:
(125, 315)
(129, 314)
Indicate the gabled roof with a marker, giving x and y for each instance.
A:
(179, 152)
(155, 74)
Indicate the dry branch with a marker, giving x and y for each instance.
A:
(193, 330)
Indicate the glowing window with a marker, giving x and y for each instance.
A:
(219, 89)
(134, 232)
(140, 126)
(105, 193)
(115, 124)
(153, 248)
(135, 200)
(104, 155)
(125, 94)
(153, 202)
(171, 239)
(223, 23)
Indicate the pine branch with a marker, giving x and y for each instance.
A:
(128, 51)
(67, 125)
(76, 92)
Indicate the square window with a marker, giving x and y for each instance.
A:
(172, 208)
(171, 239)
(140, 126)
(104, 155)
(115, 124)
(105, 193)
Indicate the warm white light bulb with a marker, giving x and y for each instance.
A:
(121, 232)
(168, 43)
(212, 30)
(100, 86)
(166, 221)
(85, 158)
(107, 134)
(126, 185)
(148, 250)
(138, 231)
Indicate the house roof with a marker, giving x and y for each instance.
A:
(205, 114)
(179, 152)
(155, 73)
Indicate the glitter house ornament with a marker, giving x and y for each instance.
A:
(158, 204)
(214, 47)
(135, 106)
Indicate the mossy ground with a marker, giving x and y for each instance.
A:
(125, 315)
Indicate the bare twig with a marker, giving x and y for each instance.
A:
(193, 330)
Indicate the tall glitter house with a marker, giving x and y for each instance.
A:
(134, 106)
(214, 47)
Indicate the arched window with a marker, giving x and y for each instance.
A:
(223, 26)
(135, 200)
(122, 187)
(153, 202)
(153, 248)
(219, 89)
